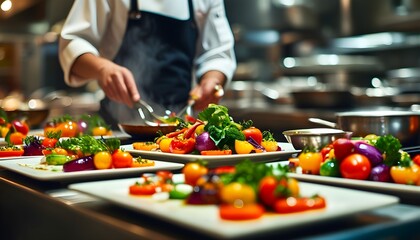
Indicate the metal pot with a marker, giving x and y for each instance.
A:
(404, 125)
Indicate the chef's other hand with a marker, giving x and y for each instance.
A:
(118, 83)
(210, 90)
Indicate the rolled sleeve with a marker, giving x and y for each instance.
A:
(69, 53)
(216, 51)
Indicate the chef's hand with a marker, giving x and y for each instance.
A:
(210, 90)
(118, 84)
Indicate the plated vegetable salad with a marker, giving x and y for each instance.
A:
(242, 192)
(214, 132)
(374, 158)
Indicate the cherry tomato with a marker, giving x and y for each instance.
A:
(142, 189)
(102, 160)
(405, 175)
(49, 142)
(238, 191)
(355, 166)
(21, 126)
(16, 138)
(193, 171)
(298, 204)
(270, 189)
(121, 159)
(164, 144)
(99, 131)
(330, 168)
(68, 129)
(266, 190)
(182, 146)
(243, 212)
(342, 148)
(310, 162)
(253, 133)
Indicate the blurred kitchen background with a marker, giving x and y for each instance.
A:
(296, 59)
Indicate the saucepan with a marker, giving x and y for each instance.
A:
(404, 125)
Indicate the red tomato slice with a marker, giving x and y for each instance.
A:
(293, 204)
(142, 189)
(246, 212)
(182, 146)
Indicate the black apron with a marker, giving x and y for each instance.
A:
(159, 51)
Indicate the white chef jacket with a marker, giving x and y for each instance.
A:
(98, 27)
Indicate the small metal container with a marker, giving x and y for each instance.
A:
(313, 137)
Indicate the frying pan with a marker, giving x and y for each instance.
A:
(404, 125)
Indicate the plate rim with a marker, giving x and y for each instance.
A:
(45, 175)
(216, 160)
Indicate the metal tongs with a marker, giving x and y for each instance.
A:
(218, 92)
(148, 115)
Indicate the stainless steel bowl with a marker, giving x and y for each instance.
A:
(313, 137)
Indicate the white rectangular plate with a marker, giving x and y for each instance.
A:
(340, 203)
(286, 152)
(18, 157)
(115, 134)
(400, 190)
(23, 166)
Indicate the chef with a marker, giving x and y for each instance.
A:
(162, 51)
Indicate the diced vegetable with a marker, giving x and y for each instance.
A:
(80, 164)
(56, 159)
(180, 191)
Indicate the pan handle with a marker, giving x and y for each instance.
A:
(323, 122)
